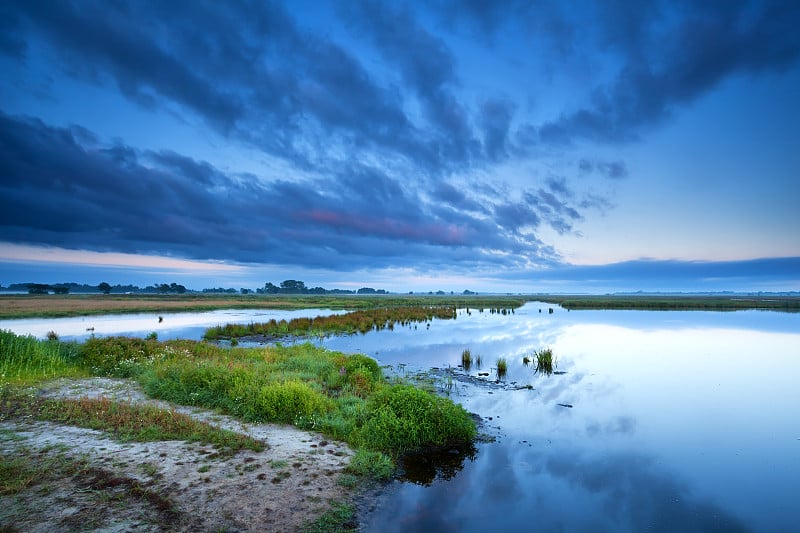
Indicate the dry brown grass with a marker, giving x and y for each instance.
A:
(19, 306)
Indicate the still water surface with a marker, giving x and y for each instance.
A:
(190, 325)
(680, 420)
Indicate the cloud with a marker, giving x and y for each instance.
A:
(634, 487)
(246, 69)
(671, 57)
(62, 187)
(389, 154)
(427, 68)
(608, 169)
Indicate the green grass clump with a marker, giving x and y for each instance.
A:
(121, 357)
(466, 359)
(502, 367)
(282, 401)
(371, 464)
(545, 361)
(25, 359)
(402, 418)
(340, 518)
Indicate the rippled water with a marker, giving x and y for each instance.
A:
(679, 420)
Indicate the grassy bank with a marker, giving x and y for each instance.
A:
(343, 396)
(27, 306)
(677, 303)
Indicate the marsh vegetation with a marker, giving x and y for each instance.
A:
(545, 361)
(361, 321)
(343, 396)
(22, 306)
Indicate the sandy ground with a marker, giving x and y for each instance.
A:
(172, 485)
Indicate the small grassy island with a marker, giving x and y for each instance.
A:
(361, 321)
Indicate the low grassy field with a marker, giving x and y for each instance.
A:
(25, 306)
(678, 303)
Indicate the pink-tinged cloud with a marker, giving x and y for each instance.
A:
(388, 228)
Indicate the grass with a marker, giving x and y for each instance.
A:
(26, 306)
(24, 359)
(342, 396)
(338, 519)
(466, 359)
(361, 321)
(124, 421)
(25, 468)
(545, 361)
(502, 367)
(678, 302)
(371, 464)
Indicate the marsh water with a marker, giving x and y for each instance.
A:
(166, 326)
(653, 421)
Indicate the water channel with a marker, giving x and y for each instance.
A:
(654, 421)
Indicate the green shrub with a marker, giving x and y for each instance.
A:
(283, 402)
(118, 356)
(545, 361)
(466, 359)
(402, 419)
(502, 367)
(369, 365)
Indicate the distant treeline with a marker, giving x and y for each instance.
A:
(292, 286)
(82, 288)
(288, 286)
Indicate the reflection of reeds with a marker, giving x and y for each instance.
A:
(502, 367)
(478, 361)
(526, 360)
(545, 361)
(466, 359)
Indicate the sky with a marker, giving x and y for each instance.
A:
(497, 146)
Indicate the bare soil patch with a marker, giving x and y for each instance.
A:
(108, 485)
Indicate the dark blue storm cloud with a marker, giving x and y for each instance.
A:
(381, 166)
(61, 187)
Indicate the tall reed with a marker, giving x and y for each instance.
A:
(545, 361)
(502, 367)
(466, 359)
(25, 359)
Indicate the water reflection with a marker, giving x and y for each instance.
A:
(189, 325)
(669, 428)
(443, 465)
